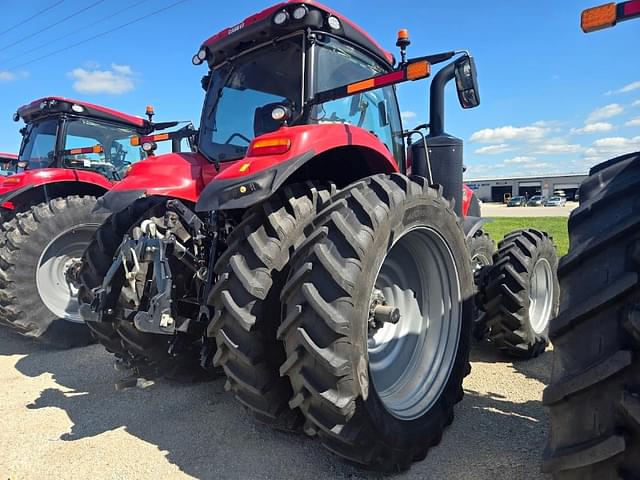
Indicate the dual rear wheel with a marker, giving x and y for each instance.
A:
(378, 389)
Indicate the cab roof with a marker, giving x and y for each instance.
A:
(260, 27)
(49, 106)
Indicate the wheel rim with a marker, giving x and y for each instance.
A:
(410, 361)
(478, 261)
(55, 291)
(541, 295)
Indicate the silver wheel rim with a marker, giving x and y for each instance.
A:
(478, 261)
(58, 295)
(541, 295)
(410, 362)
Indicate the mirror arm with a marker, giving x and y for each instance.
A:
(436, 99)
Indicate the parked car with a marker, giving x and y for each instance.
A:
(517, 202)
(536, 201)
(556, 201)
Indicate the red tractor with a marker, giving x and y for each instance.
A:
(594, 393)
(313, 248)
(72, 152)
(7, 162)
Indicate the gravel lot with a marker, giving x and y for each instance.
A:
(501, 210)
(62, 418)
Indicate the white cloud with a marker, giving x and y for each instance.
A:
(634, 122)
(519, 159)
(636, 103)
(493, 149)
(555, 146)
(500, 134)
(537, 166)
(593, 128)
(605, 148)
(602, 113)
(627, 88)
(118, 80)
(408, 115)
(9, 76)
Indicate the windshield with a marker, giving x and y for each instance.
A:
(39, 144)
(339, 63)
(113, 151)
(515, 199)
(110, 151)
(242, 94)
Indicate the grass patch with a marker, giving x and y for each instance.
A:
(554, 226)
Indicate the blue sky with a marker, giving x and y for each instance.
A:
(554, 100)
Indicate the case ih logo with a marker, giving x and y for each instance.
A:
(236, 28)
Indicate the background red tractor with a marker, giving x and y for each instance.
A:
(326, 255)
(7, 163)
(72, 152)
(594, 393)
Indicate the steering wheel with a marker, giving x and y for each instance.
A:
(237, 135)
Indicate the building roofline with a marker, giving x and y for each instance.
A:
(527, 177)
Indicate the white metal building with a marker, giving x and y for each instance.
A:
(494, 189)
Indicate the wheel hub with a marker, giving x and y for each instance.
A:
(410, 359)
(541, 295)
(57, 271)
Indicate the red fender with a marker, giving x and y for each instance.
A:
(45, 176)
(178, 175)
(317, 139)
(467, 194)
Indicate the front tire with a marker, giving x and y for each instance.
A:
(376, 396)
(252, 272)
(40, 245)
(521, 293)
(481, 249)
(594, 394)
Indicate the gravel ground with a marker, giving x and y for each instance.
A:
(501, 210)
(62, 418)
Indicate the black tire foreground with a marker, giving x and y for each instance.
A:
(252, 272)
(481, 249)
(96, 261)
(327, 298)
(506, 293)
(594, 395)
(24, 239)
(147, 352)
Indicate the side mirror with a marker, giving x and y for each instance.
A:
(467, 82)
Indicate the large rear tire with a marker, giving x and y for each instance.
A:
(594, 395)
(97, 259)
(521, 293)
(380, 394)
(246, 298)
(39, 248)
(147, 352)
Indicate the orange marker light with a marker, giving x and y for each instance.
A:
(244, 167)
(269, 146)
(418, 70)
(359, 86)
(403, 38)
(149, 110)
(596, 18)
(135, 141)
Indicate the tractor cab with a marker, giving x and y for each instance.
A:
(69, 134)
(300, 84)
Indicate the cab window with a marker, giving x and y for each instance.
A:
(338, 63)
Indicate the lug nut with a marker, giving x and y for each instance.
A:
(386, 313)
